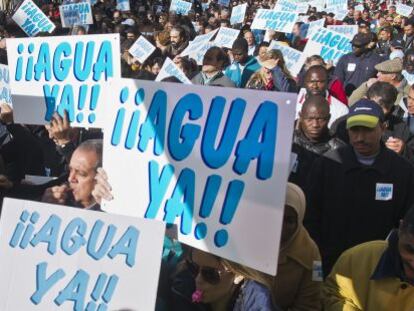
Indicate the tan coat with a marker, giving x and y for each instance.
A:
(293, 286)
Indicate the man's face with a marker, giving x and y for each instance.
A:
(409, 63)
(249, 38)
(316, 83)
(357, 15)
(117, 16)
(385, 77)
(314, 122)
(82, 171)
(391, 9)
(384, 35)
(409, 30)
(365, 140)
(175, 38)
(410, 102)
(239, 56)
(406, 250)
(351, 12)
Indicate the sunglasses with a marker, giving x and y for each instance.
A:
(209, 274)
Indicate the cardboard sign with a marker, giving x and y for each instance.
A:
(198, 55)
(226, 37)
(5, 91)
(359, 7)
(237, 14)
(318, 4)
(62, 74)
(141, 49)
(31, 19)
(169, 69)
(180, 7)
(313, 26)
(63, 258)
(329, 44)
(294, 59)
(123, 5)
(403, 9)
(211, 160)
(76, 14)
(347, 30)
(275, 20)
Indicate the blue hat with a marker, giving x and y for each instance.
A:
(364, 112)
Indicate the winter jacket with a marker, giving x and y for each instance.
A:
(368, 277)
(350, 203)
(239, 76)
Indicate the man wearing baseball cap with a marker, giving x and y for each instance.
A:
(350, 184)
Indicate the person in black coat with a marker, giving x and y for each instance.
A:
(359, 192)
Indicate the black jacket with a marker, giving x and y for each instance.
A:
(342, 207)
(307, 152)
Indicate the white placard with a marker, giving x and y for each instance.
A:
(5, 91)
(226, 37)
(141, 49)
(217, 169)
(237, 14)
(294, 59)
(343, 4)
(123, 5)
(198, 43)
(403, 9)
(359, 7)
(65, 73)
(329, 44)
(76, 14)
(291, 6)
(169, 69)
(31, 19)
(274, 20)
(180, 7)
(347, 30)
(314, 26)
(56, 257)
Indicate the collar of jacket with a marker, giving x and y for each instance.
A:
(349, 160)
(390, 265)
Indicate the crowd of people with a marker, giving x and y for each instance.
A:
(347, 240)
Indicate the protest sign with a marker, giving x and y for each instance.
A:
(347, 30)
(343, 4)
(62, 74)
(403, 9)
(141, 49)
(329, 44)
(31, 19)
(198, 43)
(226, 37)
(198, 55)
(291, 6)
(318, 4)
(180, 7)
(314, 26)
(293, 58)
(63, 258)
(76, 14)
(275, 20)
(169, 69)
(211, 160)
(123, 5)
(224, 2)
(359, 7)
(238, 13)
(5, 92)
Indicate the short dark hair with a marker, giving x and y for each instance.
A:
(386, 92)
(316, 68)
(241, 44)
(316, 101)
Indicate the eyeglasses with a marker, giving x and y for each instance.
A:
(209, 274)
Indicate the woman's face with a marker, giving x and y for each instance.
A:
(212, 278)
(155, 69)
(267, 73)
(290, 224)
(262, 53)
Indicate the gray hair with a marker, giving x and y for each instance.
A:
(93, 145)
